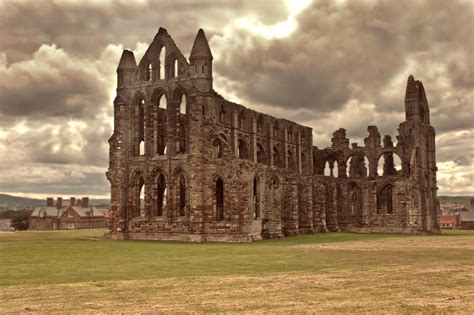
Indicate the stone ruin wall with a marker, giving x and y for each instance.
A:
(213, 170)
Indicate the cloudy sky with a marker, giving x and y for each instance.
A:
(324, 64)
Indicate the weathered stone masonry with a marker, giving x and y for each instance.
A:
(185, 164)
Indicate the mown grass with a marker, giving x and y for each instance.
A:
(78, 271)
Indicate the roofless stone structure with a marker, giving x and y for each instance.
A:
(186, 164)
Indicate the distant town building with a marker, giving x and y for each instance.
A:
(466, 218)
(449, 222)
(72, 214)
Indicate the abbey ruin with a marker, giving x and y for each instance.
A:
(185, 164)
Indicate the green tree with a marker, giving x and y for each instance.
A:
(20, 220)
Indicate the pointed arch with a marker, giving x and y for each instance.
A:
(291, 161)
(138, 195)
(159, 103)
(181, 100)
(261, 154)
(385, 199)
(392, 164)
(222, 114)
(277, 159)
(160, 194)
(180, 192)
(242, 149)
(357, 165)
(260, 124)
(276, 129)
(219, 198)
(256, 197)
(161, 62)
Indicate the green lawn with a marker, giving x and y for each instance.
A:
(78, 271)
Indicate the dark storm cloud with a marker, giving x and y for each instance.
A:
(86, 28)
(355, 51)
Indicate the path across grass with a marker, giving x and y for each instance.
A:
(78, 271)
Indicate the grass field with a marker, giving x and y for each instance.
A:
(78, 272)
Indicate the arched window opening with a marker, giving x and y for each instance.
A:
(222, 114)
(162, 63)
(142, 197)
(291, 161)
(175, 68)
(160, 194)
(290, 134)
(141, 127)
(275, 182)
(261, 156)
(384, 200)
(391, 165)
(277, 160)
(182, 105)
(182, 122)
(331, 168)
(219, 198)
(260, 124)
(355, 200)
(241, 119)
(256, 199)
(357, 166)
(303, 161)
(139, 202)
(327, 169)
(148, 72)
(275, 129)
(182, 196)
(242, 150)
(217, 149)
(161, 125)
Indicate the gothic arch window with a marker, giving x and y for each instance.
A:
(261, 156)
(162, 63)
(175, 68)
(391, 165)
(182, 121)
(242, 150)
(277, 160)
(149, 72)
(161, 125)
(260, 124)
(331, 168)
(385, 200)
(138, 207)
(242, 119)
(256, 198)
(219, 199)
(181, 194)
(141, 127)
(357, 166)
(160, 194)
(303, 162)
(276, 129)
(291, 161)
(222, 114)
(217, 149)
(290, 134)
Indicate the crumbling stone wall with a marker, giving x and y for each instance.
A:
(186, 164)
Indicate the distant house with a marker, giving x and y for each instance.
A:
(75, 214)
(449, 222)
(466, 218)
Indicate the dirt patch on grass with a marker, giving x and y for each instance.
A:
(397, 244)
(378, 290)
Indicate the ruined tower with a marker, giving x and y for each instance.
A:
(186, 164)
